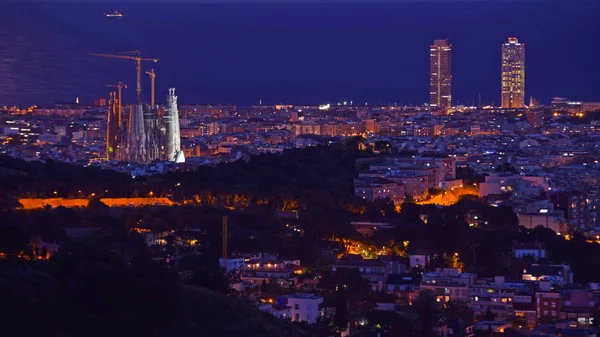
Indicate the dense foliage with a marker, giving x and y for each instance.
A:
(93, 287)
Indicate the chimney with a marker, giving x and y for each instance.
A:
(225, 239)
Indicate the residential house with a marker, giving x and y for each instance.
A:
(305, 307)
(415, 185)
(496, 295)
(257, 271)
(499, 183)
(278, 310)
(448, 284)
(563, 328)
(495, 326)
(231, 264)
(375, 271)
(524, 308)
(368, 228)
(548, 305)
(579, 306)
(544, 217)
(379, 188)
(404, 285)
(421, 258)
(536, 251)
(553, 273)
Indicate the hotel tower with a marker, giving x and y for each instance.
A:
(513, 74)
(440, 74)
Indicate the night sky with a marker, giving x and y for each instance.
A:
(295, 53)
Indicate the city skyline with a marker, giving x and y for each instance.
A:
(326, 175)
(440, 76)
(328, 64)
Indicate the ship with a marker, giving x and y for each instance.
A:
(114, 15)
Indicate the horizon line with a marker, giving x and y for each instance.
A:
(113, 2)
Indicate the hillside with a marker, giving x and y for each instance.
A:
(213, 315)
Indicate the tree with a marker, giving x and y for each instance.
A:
(322, 264)
(459, 309)
(595, 319)
(427, 309)
(13, 240)
(383, 146)
(473, 245)
(8, 201)
(466, 172)
(210, 279)
(28, 294)
(356, 287)
(263, 286)
(95, 204)
(506, 167)
(381, 207)
(44, 252)
(109, 283)
(394, 323)
(341, 309)
(15, 139)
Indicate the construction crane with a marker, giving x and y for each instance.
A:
(152, 75)
(135, 56)
(120, 85)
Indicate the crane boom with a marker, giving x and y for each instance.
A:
(125, 57)
(134, 56)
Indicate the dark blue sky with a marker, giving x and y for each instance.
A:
(297, 53)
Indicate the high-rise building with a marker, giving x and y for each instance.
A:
(440, 74)
(513, 74)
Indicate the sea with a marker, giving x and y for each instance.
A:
(295, 53)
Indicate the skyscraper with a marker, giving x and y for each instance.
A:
(513, 74)
(440, 74)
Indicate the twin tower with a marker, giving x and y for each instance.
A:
(513, 74)
(149, 134)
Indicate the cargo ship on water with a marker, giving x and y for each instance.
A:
(114, 15)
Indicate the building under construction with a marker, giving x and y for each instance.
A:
(149, 133)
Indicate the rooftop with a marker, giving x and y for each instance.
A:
(403, 279)
(304, 296)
